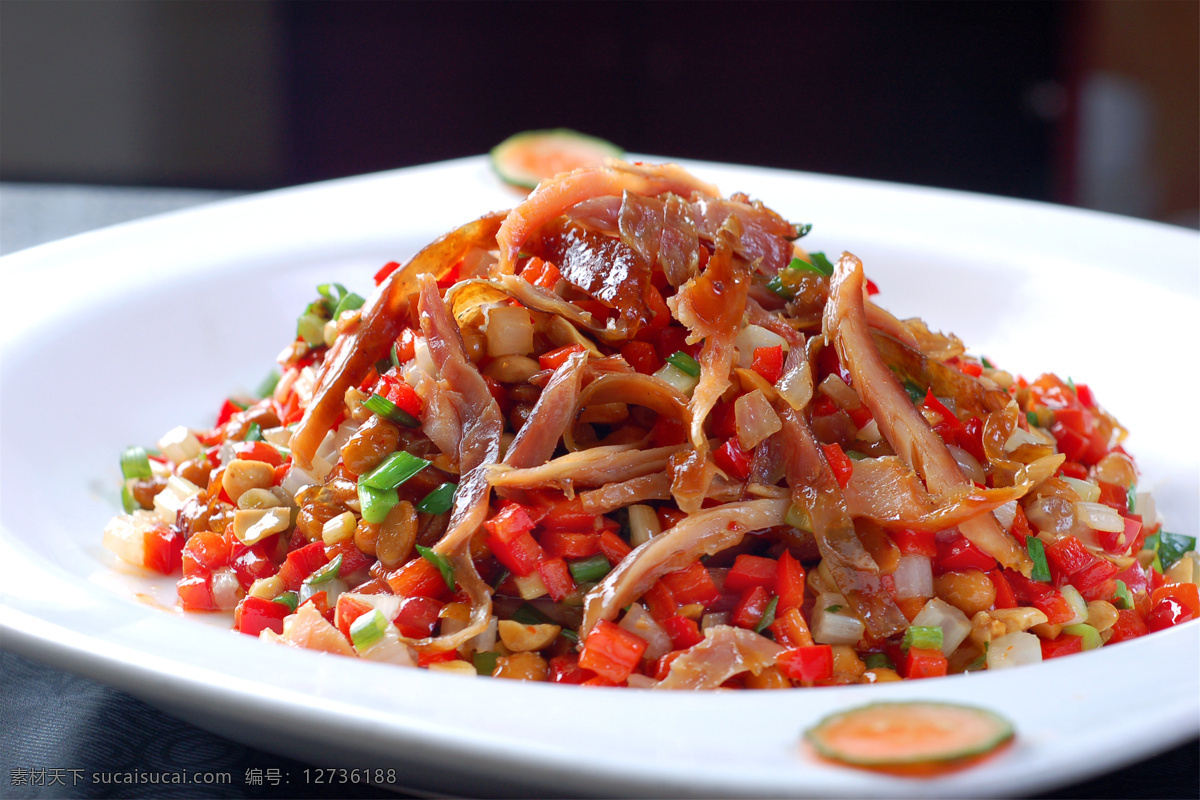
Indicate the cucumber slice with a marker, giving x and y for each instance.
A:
(909, 735)
(526, 159)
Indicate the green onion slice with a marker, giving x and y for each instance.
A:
(915, 393)
(135, 464)
(923, 637)
(382, 407)
(1037, 553)
(1089, 635)
(311, 328)
(803, 230)
(878, 661)
(833, 609)
(1122, 595)
(1131, 498)
(528, 615)
(127, 502)
(485, 662)
(776, 285)
(376, 503)
(395, 470)
(368, 629)
(592, 568)
(439, 501)
(1032, 418)
(768, 616)
(986, 364)
(289, 599)
(267, 387)
(253, 433)
(441, 562)
(326, 573)
(350, 302)
(685, 363)
(570, 635)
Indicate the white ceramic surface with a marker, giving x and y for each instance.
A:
(112, 337)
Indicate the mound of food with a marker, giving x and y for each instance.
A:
(630, 433)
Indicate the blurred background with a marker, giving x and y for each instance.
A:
(1087, 103)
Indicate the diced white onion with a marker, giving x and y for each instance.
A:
(869, 433)
(226, 591)
(386, 604)
(1013, 650)
(179, 444)
(636, 680)
(756, 420)
(643, 524)
(177, 492)
(296, 479)
(678, 378)
(509, 331)
(332, 588)
(796, 386)
(338, 528)
(714, 619)
(305, 383)
(321, 467)
(836, 390)
(390, 649)
(955, 626)
(485, 640)
(1088, 492)
(1019, 437)
(752, 337)
(125, 535)
(331, 445)
(280, 437)
(530, 586)
(835, 627)
(967, 463)
(1099, 517)
(1005, 514)
(913, 577)
(637, 620)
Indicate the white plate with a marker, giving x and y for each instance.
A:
(117, 335)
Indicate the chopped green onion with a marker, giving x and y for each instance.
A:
(979, 663)
(485, 662)
(1172, 546)
(822, 263)
(685, 363)
(570, 635)
(439, 501)
(798, 517)
(350, 302)
(833, 609)
(501, 578)
(878, 661)
(396, 355)
(267, 387)
(1131, 498)
(855, 455)
(528, 615)
(376, 503)
(253, 433)
(986, 364)
(326, 573)
(803, 230)
(238, 403)
(382, 407)
(127, 502)
(1071, 385)
(368, 629)
(1032, 418)
(1037, 552)
(135, 464)
(592, 568)
(326, 290)
(915, 393)
(439, 561)
(311, 328)
(1151, 542)
(1122, 595)
(289, 599)
(922, 637)
(768, 615)
(1089, 635)
(776, 285)
(395, 470)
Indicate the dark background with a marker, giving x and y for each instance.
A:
(1091, 103)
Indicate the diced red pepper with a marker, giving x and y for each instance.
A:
(1186, 595)
(949, 428)
(971, 439)
(195, 592)
(509, 522)
(660, 602)
(790, 629)
(1005, 597)
(252, 563)
(401, 394)
(418, 578)
(417, 617)
(667, 432)
(498, 392)
(254, 615)
(162, 548)
(959, 555)
(1064, 645)
(541, 273)
(642, 357)
(684, 632)
(733, 460)
(659, 310)
(520, 554)
(970, 367)
(1085, 395)
(1134, 578)
(565, 669)
(1129, 625)
(228, 409)
(810, 663)
(257, 451)
(1073, 469)
(561, 514)
(922, 662)
(768, 362)
(425, 659)
(749, 571)
(823, 405)
(872, 289)
(839, 463)
(1114, 496)
(569, 544)
(205, 551)
(613, 547)
(692, 584)
(553, 359)
(611, 651)
(723, 420)
(302, 563)
(353, 559)
(669, 517)
(406, 345)
(347, 610)
(1166, 613)
(386, 270)
(1021, 529)
(556, 575)
(451, 276)
(1068, 556)
(860, 416)
(915, 543)
(789, 583)
(1118, 542)
(749, 610)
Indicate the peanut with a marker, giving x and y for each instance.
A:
(970, 591)
(522, 667)
(526, 638)
(241, 475)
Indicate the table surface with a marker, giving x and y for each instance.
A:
(64, 735)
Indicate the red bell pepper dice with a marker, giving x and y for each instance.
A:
(839, 463)
(569, 544)
(959, 555)
(1064, 645)
(692, 584)
(749, 610)
(556, 575)
(733, 460)
(768, 362)
(749, 571)
(162, 548)
(1129, 625)
(684, 632)
(417, 617)
(347, 610)
(924, 663)
(302, 563)
(418, 578)
(566, 669)
(254, 615)
(611, 651)
(195, 592)
(554, 359)
(915, 543)
(789, 583)
(809, 663)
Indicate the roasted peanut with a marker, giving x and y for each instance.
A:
(525, 638)
(846, 661)
(242, 475)
(397, 535)
(512, 369)
(879, 675)
(769, 678)
(1101, 615)
(365, 534)
(369, 445)
(970, 591)
(258, 498)
(522, 667)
